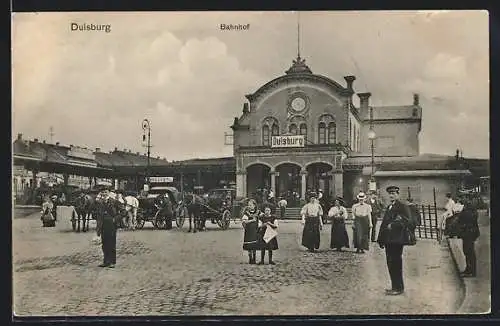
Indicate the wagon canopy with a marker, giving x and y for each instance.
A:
(172, 193)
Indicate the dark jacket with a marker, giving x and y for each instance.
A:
(468, 228)
(396, 224)
(377, 206)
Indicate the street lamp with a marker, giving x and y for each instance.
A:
(146, 126)
(371, 137)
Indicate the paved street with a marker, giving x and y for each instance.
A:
(178, 273)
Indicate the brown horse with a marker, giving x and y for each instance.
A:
(85, 209)
(197, 211)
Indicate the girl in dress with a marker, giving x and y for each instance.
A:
(338, 214)
(362, 213)
(250, 222)
(267, 221)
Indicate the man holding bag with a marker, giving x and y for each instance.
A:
(396, 231)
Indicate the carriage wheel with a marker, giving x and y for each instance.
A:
(160, 221)
(139, 223)
(181, 217)
(225, 220)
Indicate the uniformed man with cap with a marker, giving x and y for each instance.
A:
(106, 228)
(393, 235)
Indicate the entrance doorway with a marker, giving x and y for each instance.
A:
(289, 183)
(258, 178)
(319, 177)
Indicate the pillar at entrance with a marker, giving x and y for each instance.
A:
(303, 174)
(34, 185)
(273, 181)
(241, 178)
(339, 184)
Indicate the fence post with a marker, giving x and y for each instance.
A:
(420, 226)
(423, 220)
(430, 219)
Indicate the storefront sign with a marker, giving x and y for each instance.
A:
(287, 141)
(161, 179)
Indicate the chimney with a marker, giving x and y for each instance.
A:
(245, 108)
(130, 151)
(350, 80)
(19, 136)
(416, 99)
(57, 143)
(364, 103)
(43, 141)
(35, 140)
(157, 157)
(236, 121)
(116, 149)
(98, 150)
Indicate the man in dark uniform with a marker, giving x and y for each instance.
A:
(393, 235)
(107, 220)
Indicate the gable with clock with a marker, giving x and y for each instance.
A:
(298, 103)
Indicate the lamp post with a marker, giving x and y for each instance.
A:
(371, 137)
(146, 126)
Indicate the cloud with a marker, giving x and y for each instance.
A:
(189, 78)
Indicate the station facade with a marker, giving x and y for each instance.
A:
(333, 148)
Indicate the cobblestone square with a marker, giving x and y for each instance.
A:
(179, 273)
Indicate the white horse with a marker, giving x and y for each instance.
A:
(131, 205)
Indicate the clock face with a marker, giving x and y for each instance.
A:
(298, 104)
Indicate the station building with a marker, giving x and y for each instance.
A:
(301, 131)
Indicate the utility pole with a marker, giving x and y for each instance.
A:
(146, 126)
(51, 133)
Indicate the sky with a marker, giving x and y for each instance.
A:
(190, 78)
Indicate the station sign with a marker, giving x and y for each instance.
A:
(161, 179)
(287, 141)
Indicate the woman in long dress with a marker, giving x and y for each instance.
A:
(339, 237)
(250, 222)
(311, 219)
(267, 220)
(362, 223)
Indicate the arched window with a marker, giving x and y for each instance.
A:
(303, 130)
(265, 135)
(275, 130)
(322, 133)
(332, 133)
(293, 129)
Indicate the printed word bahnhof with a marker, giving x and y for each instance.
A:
(298, 132)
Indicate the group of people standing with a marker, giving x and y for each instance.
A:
(396, 230)
(256, 225)
(365, 213)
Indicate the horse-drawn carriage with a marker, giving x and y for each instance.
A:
(160, 207)
(220, 206)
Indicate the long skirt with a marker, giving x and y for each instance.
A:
(361, 232)
(271, 245)
(251, 236)
(310, 235)
(339, 237)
